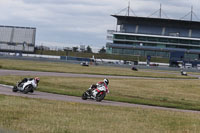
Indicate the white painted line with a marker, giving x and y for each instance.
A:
(8, 86)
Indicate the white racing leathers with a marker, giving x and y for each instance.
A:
(29, 82)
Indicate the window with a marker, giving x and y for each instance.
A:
(194, 42)
(162, 54)
(141, 38)
(163, 39)
(173, 40)
(191, 56)
(152, 39)
(150, 44)
(130, 37)
(185, 41)
(128, 51)
(151, 53)
(138, 52)
(119, 37)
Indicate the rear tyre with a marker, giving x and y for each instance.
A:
(100, 96)
(15, 89)
(84, 96)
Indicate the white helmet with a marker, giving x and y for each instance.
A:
(106, 81)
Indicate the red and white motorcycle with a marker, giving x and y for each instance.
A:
(96, 92)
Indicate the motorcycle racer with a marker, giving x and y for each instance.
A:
(99, 86)
(34, 81)
(97, 91)
(27, 85)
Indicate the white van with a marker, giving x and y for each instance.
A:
(198, 66)
(188, 65)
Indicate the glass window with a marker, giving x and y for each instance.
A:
(138, 52)
(185, 41)
(152, 39)
(128, 51)
(130, 37)
(191, 56)
(141, 38)
(116, 51)
(170, 46)
(162, 54)
(194, 42)
(119, 37)
(163, 39)
(173, 40)
(150, 44)
(151, 53)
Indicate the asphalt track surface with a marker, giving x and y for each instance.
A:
(4, 72)
(7, 90)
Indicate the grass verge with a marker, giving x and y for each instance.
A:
(183, 94)
(37, 115)
(76, 68)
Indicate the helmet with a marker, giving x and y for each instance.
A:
(37, 79)
(106, 81)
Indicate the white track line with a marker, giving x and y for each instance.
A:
(8, 86)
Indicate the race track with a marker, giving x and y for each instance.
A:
(7, 90)
(4, 72)
(38, 73)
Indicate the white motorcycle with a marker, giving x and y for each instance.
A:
(95, 92)
(184, 73)
(29, 85)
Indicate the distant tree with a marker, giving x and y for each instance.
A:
(89, 49)
(102, 50)
(75, 49)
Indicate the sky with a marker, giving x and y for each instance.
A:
(69, 23)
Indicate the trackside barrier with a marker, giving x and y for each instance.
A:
(74, 58)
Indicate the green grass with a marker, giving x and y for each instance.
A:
(45, 116)
(76, 68)
(183, 94)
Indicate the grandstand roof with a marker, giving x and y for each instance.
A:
(17, 27)
(157, 21)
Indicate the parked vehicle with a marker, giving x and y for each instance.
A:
(188, 65)
(26, 85)
(198, 66)
(84, 63)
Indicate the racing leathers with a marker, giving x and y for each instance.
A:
(33, 82)
(100, 86)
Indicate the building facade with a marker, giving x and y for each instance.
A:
(156, 37)
(17, 39)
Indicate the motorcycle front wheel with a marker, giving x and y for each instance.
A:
(100, 96)
(84, 96)
(27, 89)
(15, 89)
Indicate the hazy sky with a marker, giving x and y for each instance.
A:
(66, 23)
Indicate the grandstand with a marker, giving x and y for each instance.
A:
(17, 39)
(156, 37)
